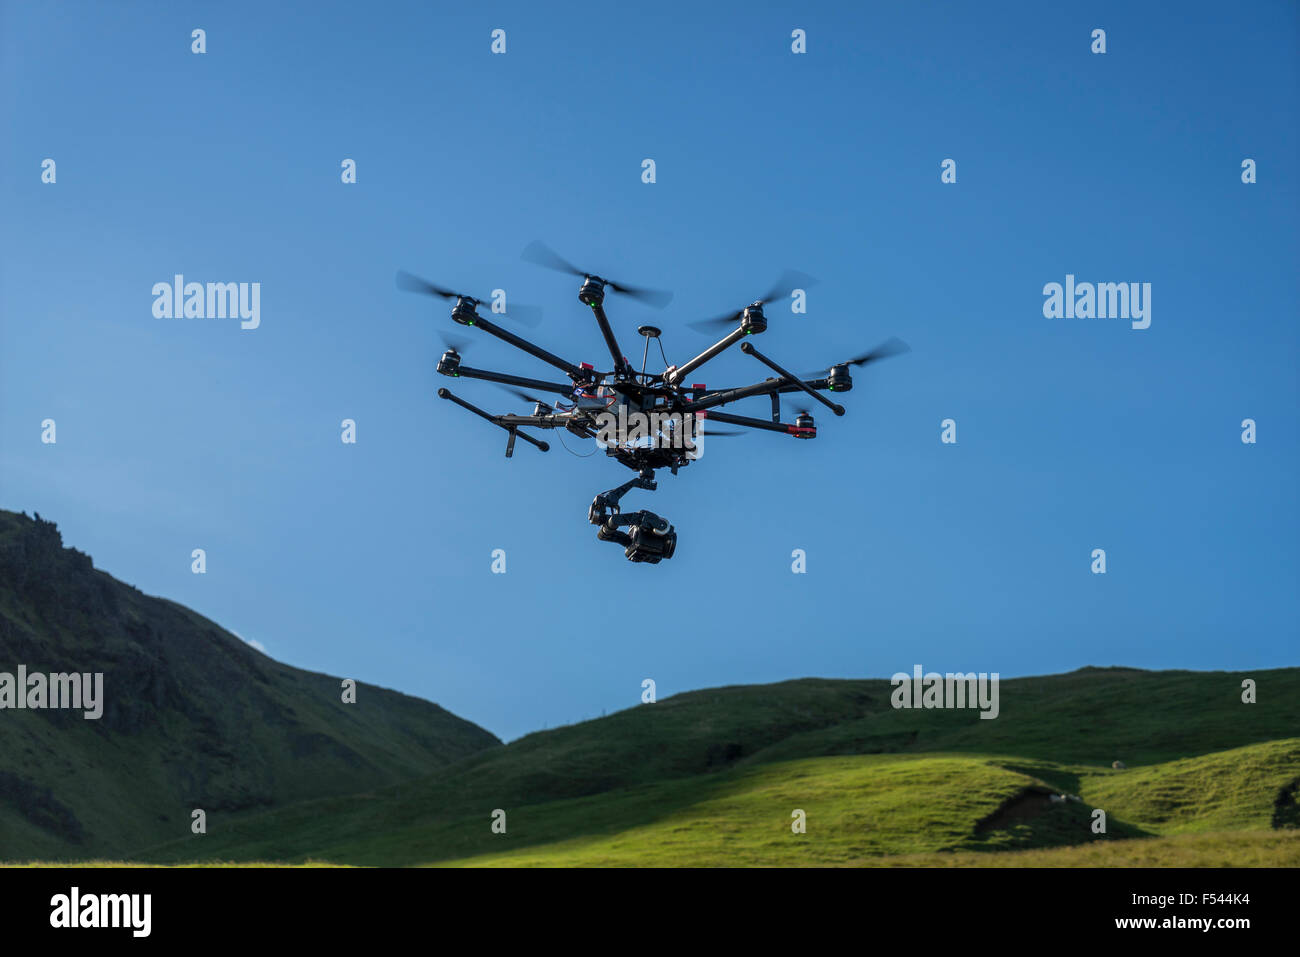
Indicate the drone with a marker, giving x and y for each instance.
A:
(645, 421)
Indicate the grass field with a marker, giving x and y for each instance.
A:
(712, 778)
(1229, 849)
(945, 810)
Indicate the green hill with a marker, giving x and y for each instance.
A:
(193, 717)
(861, 810)
(712, 777)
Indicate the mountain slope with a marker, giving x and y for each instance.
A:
(192, 716)
(700, 764)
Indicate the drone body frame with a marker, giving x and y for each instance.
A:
(593, 395)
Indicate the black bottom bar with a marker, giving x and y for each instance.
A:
(931, 908)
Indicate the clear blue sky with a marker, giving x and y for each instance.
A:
(373, 561)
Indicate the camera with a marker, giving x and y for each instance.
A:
(653, 540)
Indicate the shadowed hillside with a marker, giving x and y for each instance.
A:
(192, 716)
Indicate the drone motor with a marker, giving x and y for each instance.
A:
(592, 292)
(449, 364)
(752, 319)
(805, 426)
(465, 311)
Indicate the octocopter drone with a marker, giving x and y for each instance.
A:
(645, 421)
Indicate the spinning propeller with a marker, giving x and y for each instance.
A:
(409, 282)
(893, 346)
(540, 254)
(540, 406)
(456, 344)
(790, 280)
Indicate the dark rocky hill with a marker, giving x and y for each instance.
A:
(192, 716)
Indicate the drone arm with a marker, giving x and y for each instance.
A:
(621, 367)
(822, 383)
(500, 421)
(766, 387)
(711, 399)
(745, 420)
(790, 378)
(506, 336)
(536, 421)
(576, 425)
(560, 388)
(682, 371)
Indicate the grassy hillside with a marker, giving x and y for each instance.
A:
(864, 810)
(1214, 849)
(712, 777)
(193, 717)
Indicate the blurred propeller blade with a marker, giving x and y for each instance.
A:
(530, 399)
(455, 343)
(540, 254)
(717, 322)
(790, 280)
(893, 346)
(657, 298)
(409, 282)
(530, 316)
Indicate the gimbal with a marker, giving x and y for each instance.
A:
(650, 538)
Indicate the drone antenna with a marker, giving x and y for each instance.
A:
(650, 332)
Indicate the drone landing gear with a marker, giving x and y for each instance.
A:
(649, 537)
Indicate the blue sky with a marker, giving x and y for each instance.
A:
(373, 560)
